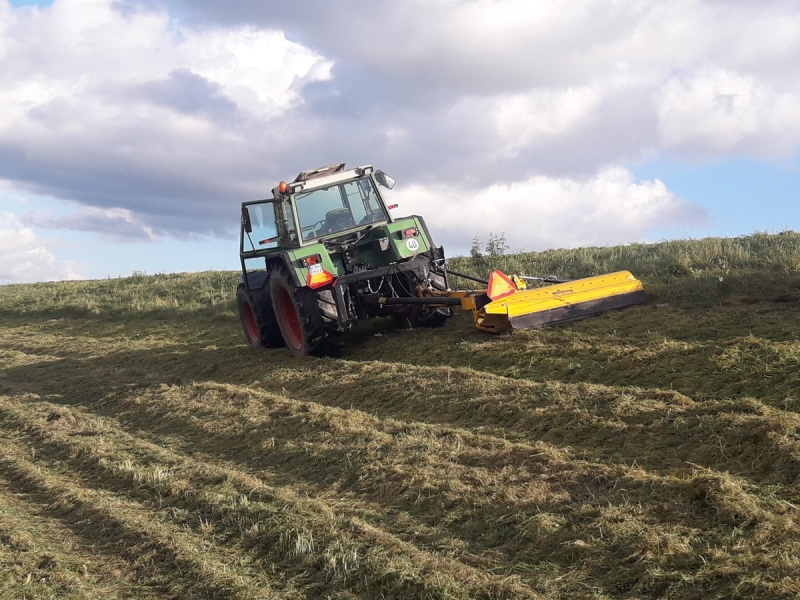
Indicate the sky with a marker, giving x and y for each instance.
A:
(131, 130)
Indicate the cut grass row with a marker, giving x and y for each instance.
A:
(238, 466)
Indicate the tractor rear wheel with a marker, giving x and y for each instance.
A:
(258, 319)
(300, 317)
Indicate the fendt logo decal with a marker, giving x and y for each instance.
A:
(562, 292)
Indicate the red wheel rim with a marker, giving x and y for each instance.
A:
(249, 320)
(290, 318)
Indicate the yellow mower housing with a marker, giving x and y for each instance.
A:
(553, 304)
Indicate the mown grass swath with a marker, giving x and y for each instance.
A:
(145, 451)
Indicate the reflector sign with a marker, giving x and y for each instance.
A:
(317, 276)
(500, 286)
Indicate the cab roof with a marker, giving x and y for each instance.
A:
(323, 177)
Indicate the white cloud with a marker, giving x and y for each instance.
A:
(82, 50)
(24, 257)
(522, 118)
(721, 111)
(549, 212)
(257, 69)
(133, 110)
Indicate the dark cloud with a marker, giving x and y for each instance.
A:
(188, 93)
(115, 223)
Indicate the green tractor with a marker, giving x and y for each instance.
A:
(325, 252)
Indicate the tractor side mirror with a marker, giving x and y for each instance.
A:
(246, 223)
(384, 180)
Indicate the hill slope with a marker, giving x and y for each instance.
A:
(146, 452)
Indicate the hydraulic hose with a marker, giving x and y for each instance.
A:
(465, 276)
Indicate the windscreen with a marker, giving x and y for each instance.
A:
(337, 208)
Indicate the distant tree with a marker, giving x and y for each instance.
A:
(496, 246)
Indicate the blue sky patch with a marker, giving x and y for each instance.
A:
(743, 195)
(20, 3)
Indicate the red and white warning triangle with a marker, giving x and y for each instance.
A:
(500, 286)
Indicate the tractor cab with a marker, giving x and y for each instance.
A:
(319, 204)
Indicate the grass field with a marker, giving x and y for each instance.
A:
(146, 452)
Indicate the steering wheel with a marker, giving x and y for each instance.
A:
(312, 228)
(310, 232)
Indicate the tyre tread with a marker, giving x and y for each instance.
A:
(320, 337)
(269, 334)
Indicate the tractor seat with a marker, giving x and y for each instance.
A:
(337, 220)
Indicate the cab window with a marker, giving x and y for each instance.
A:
(265, 233)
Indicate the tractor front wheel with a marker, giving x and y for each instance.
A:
(299, 316)
(419, 317)
(422, 316)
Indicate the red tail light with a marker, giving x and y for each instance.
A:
(411, 232)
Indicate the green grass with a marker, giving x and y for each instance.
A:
(758, 267)
(146, 452)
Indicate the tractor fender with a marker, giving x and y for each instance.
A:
(428, 236)
(284, 260)
(437, 254)
(258, 279)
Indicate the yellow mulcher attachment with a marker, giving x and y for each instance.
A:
(508, 304)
